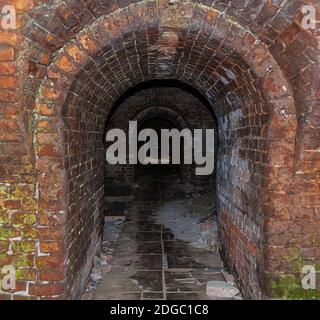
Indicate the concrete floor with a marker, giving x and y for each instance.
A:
(149, 262)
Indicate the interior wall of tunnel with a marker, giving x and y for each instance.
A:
(249, 72)
(246, 100)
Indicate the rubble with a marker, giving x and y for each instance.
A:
(102, 263)
(192, 221)
(229, 278)
(221, 289)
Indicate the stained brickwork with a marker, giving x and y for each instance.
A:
(66, 65)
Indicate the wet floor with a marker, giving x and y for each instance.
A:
(149, 262)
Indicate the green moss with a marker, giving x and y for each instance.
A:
(7, 233)
(288, 287)
(30, 232)
(18, 193)
(294, 260)
(4, 190)
(30, 219)
(24, 219)
(25, 274)
(23, 246)
(21, 260)
(4, 218)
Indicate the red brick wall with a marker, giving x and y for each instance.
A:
(63, 69)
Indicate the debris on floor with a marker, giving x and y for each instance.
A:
(192, 220)
(221, 289)
(103, 262)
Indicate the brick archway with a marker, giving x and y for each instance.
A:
(247, 88)
(276, 105)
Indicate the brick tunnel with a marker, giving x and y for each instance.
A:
(247, 68)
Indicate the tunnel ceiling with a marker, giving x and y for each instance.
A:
(202, 48)
(209, 46)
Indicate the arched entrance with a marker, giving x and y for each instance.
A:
(246, 148)
(261, 155)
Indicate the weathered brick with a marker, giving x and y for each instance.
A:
(20, 219)
(7, 53)
(65, 64)
(52, 261)
(8, 68)
(45, 289)
(51, 275)
(23, 246)
(51, 246)
(258, 73)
